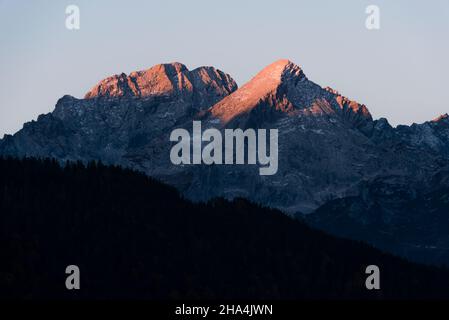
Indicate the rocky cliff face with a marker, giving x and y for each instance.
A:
(205, 85)
(404, 208)
(329, 146)
(284, 88)
(321, 149)
(122, 114)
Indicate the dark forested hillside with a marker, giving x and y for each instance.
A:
(133, 237)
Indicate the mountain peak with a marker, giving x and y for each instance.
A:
(443, 117)
(280, 70)
(265, 83)
(153, 81)
(163, 79)
(284, 86)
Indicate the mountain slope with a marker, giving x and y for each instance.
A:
(389, 215)
(133, 237)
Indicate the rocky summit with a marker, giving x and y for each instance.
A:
(330, 148)
(173, 79)
(283, 86)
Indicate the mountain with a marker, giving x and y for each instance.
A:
(121, 116)
(404, 208)
(127, 120)
(173, 79)
(283, 87)
(329, 147)
(393, 217)
(135, 238)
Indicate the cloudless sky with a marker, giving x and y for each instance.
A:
(400, 71)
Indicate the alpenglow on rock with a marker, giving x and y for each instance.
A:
(283, 86)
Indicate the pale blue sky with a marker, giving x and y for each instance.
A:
(400, 71)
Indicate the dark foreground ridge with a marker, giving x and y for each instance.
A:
(133, 237)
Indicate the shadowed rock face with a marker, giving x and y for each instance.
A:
(404, 208)
(320, 144)
(390, 215)
(329, 146)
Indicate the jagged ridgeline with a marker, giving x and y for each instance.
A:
(134, 237)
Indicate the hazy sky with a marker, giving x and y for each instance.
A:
(400, 71)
